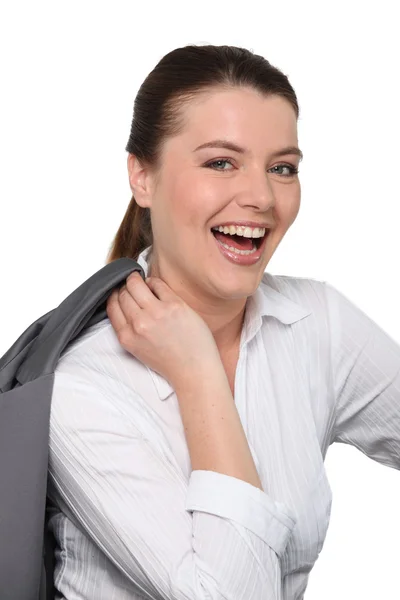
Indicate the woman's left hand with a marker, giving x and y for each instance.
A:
(156, 326)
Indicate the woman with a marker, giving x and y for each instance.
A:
(189, 430)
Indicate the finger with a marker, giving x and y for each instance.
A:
(128, 305)
(140, 291)
(160, 289)
(115, 312)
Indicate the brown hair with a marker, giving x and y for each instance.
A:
(174, 81)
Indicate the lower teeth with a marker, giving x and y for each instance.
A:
(243, 252)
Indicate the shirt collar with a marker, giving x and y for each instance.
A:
(265, 302)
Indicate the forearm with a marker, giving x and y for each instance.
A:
(213, 430)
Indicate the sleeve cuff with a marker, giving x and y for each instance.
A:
(239, 501)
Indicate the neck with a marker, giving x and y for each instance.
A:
(224, 318)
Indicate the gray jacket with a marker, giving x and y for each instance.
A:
(26, 385)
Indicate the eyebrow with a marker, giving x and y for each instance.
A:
(235, 148)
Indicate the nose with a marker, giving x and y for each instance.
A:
(257, 192)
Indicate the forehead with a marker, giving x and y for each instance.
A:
(240, 114)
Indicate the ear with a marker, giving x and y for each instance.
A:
(140, 181)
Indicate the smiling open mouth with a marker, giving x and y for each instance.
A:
(239, 241)
(240, 250)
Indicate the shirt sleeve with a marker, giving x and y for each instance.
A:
(366, 377)
(214, 537)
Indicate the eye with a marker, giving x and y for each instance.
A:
(215, 164)
(292, 170)
(218, 162)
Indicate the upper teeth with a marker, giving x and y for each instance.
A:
(249, 232)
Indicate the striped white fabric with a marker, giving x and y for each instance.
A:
(131, 519)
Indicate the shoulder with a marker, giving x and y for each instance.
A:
(306, 293)
(96, 365)
(295, 287)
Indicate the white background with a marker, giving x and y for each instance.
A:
(69, 75)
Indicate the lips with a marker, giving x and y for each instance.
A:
(243, 259)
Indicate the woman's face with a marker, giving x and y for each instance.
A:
(191, 195)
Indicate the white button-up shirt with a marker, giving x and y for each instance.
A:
(133, 521)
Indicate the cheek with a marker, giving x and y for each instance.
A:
(196, 197)
(286, 210)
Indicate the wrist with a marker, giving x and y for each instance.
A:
(205, 373)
